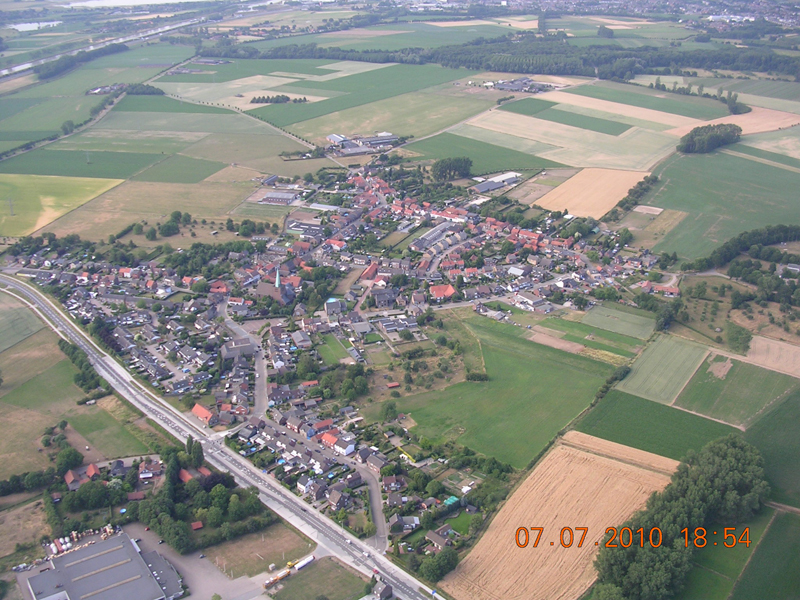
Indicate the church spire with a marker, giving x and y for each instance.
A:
(277, 278)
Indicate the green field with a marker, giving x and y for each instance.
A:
(107, 434)
(765, 154)
(241, 68)
(740, 396)
(322, 577)
(533, 391)
(594, 338)
(164, 104)
(357, 90)
(528, 106)
(573, 119)
(74, 163)
(17, 322)
(147, 142)
(650, 426)
(777, 436)
(774, 571)
(696, 108)
(486, 158)
(39, 200)
(744, 195)
(621, 322)
(332, 350)
(663, 369)
(180, 169)
(716, 568)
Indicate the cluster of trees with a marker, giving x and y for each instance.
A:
(86, 378)
(349, 382)
(278, 99)
(738, 338)
(104, 333)
(143, 89)
(605, 32)
(437, 566)
(28, 482)
(708, 138)
(171, 227)
(766, 236)
(635, 194)
(666, 312)
(65, 63)
(731, 100)
(770, 287)
(446, 169)
(723, 483)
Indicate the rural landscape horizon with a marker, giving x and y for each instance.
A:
(332, 300)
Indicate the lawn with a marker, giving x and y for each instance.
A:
(774, 571)
(650, 426)
(164, 104)
(107, 434)
(696, 108)
(252, 554)
(617, 321)
(28, 358)
(76, 163)
(533, 391)
(662, 370)
(401, 247)
(180, 169)
(740, 396)
(745, 195)
(359, 89)
(486, 158)
(777, 436)
(325, 577)
(461, 522)
(716, 568)
(17, 322)
(39, 200)
(332, 350)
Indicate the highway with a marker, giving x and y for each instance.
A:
(288, 506)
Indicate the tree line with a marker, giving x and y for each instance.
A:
(68, 62)
(143, 89)
(722, 484)
(279, 99)
(446, 169)
(635, 194)
(87, 377)
(766, 236)
(708, 138)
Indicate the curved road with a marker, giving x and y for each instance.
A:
(291, 508)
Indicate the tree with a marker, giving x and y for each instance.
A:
(189, 445)
(434, 488)
(451, 168)
(67, 459)
(389, 411)
(219, 496)
(406, 334)
(197, 455)
(708, 138)
(67, 127)
(201, 287)
(439, 565)
(151, 234)
(605, 32)
(606, 591)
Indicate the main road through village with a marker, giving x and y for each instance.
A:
(325, 532)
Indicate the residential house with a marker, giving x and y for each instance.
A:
(398, 523)
(205, 415)
(437, 540)
(338, 499)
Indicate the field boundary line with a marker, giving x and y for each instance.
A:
(772, 402)
(752, 554)
(697, 414)
(783, 507)
(610, 456)
(763, 161)
(683, 387)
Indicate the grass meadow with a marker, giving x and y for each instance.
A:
(332, 350)
(592, 337)
(640, 423)
(716, 568)
(39, 200)
(774, 571)
(777, 436)
(180, 169)
(75, 163)
(322, 577)
(106, 434)
(662, 370)
(164, 104)
(612, 319)
(740, 396)
(723, 195)
(486, 158)
(696, 108)
(590, 123)
(528, 106)
(17, 322)
(533, 391)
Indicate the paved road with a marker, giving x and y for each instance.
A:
(324, 531)
(260, 394)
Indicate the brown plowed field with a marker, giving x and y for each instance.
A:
(597, 486)
(775, 355)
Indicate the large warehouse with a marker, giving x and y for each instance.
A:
(111, 569)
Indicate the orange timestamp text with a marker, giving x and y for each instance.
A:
(626, 537)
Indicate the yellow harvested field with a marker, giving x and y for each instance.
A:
(470, 23)
(775, 355)
(519, 22)
(788, 145)
(646, 114)
(759, 120)
(637, 149)
(617, 479)
(592, 192)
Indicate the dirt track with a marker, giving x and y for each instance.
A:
(596, 486)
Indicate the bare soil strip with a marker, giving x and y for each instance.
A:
(554, 342)
(646, 114)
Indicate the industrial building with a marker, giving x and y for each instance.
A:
(110, 569)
